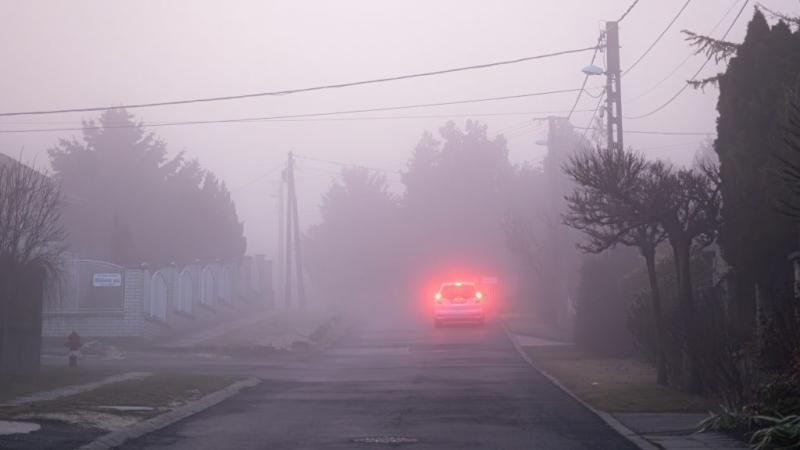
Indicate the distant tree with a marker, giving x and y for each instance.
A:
(615, 202)
(535, 232)
(352, 254)
(133, 204)
(457, 195)
(31, 242)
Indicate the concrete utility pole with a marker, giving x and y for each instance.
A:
(287, 267)
(613, 87)
(279, 263)
(298, 254)
(292, 235)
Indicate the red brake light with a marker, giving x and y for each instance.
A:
(478, 295)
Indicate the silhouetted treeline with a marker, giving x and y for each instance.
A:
(128, 203)
(463, 210)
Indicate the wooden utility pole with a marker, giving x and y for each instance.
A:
(613, 87)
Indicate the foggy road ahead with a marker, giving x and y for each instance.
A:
(462, 387)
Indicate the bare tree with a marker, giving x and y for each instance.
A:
(615, 203)
(690, 202)
(31, 242)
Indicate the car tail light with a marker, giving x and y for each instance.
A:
(478, 296)
(438, 297)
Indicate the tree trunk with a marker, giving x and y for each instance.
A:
(687, 310)
(658, 324)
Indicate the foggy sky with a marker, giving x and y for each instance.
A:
(96, 53)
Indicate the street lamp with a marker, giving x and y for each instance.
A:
(592, 70)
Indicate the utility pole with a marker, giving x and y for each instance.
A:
(298, 254)
(613, 87)
(279, 266)
(292, 236)
(287, 287)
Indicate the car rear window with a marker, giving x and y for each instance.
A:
(452, 291)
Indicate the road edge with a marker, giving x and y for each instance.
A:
(116, 438)
(632, 436)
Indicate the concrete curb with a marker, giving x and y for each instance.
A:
(632, 436)
(117, 438)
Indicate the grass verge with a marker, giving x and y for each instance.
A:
(49, 378)
(614, 384)
(530, 325)
(150, 396)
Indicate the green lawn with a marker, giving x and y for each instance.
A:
(614, 384)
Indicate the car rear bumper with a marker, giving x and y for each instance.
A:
(459, 313)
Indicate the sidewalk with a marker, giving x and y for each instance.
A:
(216, 332)
(648, 430)
(263, 331)
(677, 431)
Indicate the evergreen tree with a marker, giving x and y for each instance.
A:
(755, 238)
(131, 204)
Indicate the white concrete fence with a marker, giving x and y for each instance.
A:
(100, 299)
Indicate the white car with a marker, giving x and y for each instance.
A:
(458, 301)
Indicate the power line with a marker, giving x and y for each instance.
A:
(346, 164)
(585, 78)
(594, 114)
(292, 117)
(258, 178)
(650, 48)
(688, 57)
(661, 133)
(628, 11)
(299, 90)
(694, 77)
(678, 144)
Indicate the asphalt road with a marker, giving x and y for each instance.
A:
(450, 388)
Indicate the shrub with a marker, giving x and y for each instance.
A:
(781, 433)
(729, 419)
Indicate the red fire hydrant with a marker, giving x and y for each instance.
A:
(74, 345)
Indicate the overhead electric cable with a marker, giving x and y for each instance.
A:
(295, 117)
(594, 114)
(298, 90)
(628, 11)
(694, 77)
(688, 57)
(585, 78)
(662, 133)
(650, 48)
(346, 164)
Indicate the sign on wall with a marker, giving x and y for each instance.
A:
(107, 280)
